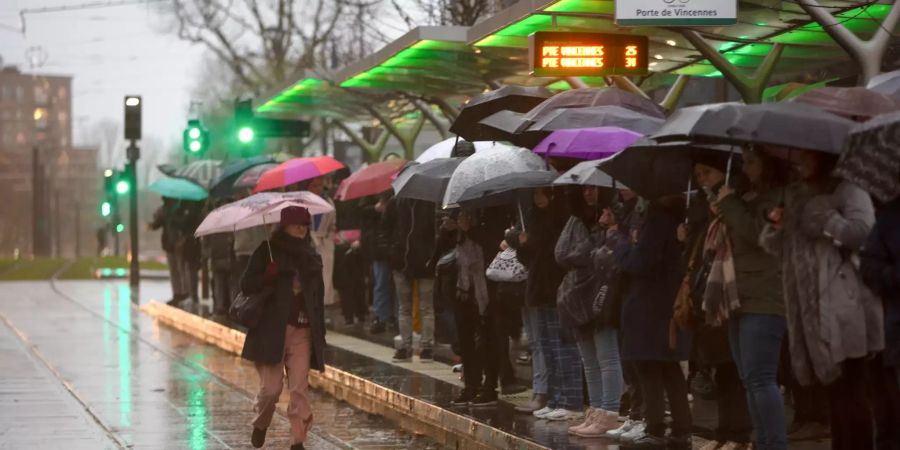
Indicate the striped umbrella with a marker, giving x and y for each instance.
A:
(297, 170)
(202, 171)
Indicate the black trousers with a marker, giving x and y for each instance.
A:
(661, 379)
(852, 419)
(222, 291)
(885, 394)
(635, 396)
(735, 423)
(470, 330)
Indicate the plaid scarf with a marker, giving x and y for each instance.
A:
(720, 296)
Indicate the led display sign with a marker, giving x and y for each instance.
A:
(565, 54)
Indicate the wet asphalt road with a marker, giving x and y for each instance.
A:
(80, 368)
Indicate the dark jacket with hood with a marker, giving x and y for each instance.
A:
(294, 257)
(880, 268)
(537, 255)
(653, 270)
(411, 227)
(374, 237)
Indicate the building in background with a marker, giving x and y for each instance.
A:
(50, 188)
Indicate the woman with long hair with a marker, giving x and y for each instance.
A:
(290, 336)
(834, 322)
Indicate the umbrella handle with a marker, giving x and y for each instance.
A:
(268, 244)
(521, 214)
(728, 169)
(687, 205)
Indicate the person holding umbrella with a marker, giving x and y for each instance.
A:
(834, 321)
(650, 260)
(757, 328)
(290, 335)
(718, 288)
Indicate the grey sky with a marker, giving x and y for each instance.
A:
(109, 52)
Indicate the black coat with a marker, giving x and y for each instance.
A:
(411, 227)
(653, 271)
(537, 255)
(374, 235)
(265, 343)
(880, 268)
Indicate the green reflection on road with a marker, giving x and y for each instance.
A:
(197, 409)
(124, 342)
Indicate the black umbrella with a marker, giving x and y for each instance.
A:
(506, 189)
(590, 117)
(503, 125)
(655, 169)
(512, 98)
(587, 97)
(426, 181)
(222, 186)
(791, 124)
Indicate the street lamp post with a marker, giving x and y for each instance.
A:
(133, 106)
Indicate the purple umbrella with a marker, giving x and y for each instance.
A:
(586, 143)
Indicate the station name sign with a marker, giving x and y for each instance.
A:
(676, 12)
(568, 54)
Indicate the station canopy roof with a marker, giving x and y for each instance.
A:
(448, 61)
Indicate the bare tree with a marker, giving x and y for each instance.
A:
(443, 12)
(266, 42)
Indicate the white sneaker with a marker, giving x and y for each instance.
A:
(560, 414)
(542, 413)
(639, 430)
(618, 432)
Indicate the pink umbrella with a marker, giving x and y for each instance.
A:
(370, 180)
(259, 209)
(297, 170)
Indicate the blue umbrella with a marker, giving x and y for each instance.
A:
(179, 188)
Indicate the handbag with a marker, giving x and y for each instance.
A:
(247, 309)
(506, 268)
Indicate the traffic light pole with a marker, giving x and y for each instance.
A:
(134, 153)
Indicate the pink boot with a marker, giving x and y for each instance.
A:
(601, 422)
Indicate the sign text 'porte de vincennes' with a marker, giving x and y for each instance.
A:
(676, 12)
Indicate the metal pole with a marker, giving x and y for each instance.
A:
(57, 247)
(37, 248)
(134, 277)
(77, 228)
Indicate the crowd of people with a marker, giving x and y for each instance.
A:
(776, 284)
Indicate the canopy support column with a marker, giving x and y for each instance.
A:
(371, 150)
(425, 109)
(675, 92)
(626, 85)
(867, 54)
(751, 87)
(406, 140)
(450, 112)
(576, 83)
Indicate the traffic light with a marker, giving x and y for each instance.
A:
(120, 227)
(132, 117)
(122, 186)
(105, 208)
(195, 138)
(243, 120)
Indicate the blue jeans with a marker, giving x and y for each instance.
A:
(756, 346)
(538, 364)
(383, 295)
(563, 363)
(602, 369)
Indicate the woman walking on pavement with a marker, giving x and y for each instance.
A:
(290, 336)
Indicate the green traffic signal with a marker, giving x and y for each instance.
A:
(195, 146)
(194, 133)
(122, 187)
(245, 135)
(120, 227)
(105, 209)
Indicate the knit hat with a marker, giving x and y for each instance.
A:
(295, 215)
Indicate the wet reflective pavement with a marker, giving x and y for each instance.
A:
(81, 368)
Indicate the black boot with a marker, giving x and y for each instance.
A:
(258, 438)
(297, 446)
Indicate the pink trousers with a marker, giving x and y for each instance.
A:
(271, 377)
